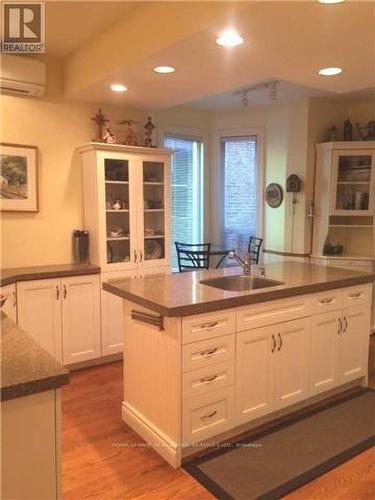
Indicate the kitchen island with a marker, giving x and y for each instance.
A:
(31, 381)
(204, 363)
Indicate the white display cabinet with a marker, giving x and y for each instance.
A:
(127, 212)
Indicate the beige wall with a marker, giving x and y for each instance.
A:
(284, 130)
(56, 127)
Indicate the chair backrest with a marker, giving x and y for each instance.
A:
(254, 249)
(193, 257)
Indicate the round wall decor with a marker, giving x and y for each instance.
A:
(274, 195)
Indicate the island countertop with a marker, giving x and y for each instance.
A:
(26, 368)
(182, 294)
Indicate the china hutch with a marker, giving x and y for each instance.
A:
(344, 224)
(126, 192)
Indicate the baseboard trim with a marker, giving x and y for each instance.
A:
(95, 362)
(156, 439)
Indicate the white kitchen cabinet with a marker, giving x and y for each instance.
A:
(10, 305)
(127, 206)
(81, 318)
(291, 362)
(112, 320)
(39, 313)
(272, 368)
(63, 315)
(255, 373)
(353, 337)
(324, 356)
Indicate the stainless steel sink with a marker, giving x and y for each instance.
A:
(240, 283)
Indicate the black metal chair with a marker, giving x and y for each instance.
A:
(253, 251)
(193, 257)
(254, 247)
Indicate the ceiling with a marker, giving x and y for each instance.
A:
(71, 24)
(106, 42)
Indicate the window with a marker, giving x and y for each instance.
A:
(239, 213)
(187, 191)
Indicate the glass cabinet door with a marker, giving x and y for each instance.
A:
(117, 210)
(354, 183)
(154, 215)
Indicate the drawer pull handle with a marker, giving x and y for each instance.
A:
(355, 295)
(340, 327)
(208, 379)
(57, 292)
(208, 352)
(280, 342)
(209, 325)
(326, 301)
(274, 343)
(209, 415)
(346, 325)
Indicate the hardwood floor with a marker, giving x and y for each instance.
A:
(97, 464)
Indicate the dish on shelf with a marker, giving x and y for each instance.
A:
(153, 250)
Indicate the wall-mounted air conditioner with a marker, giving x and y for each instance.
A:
(23, 76)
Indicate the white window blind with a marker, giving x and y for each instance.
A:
(186, 192)
(239, 213)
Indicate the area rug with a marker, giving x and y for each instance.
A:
(273, 463)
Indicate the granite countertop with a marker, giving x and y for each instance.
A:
(26, 368)
(182, 294)
(12, 275)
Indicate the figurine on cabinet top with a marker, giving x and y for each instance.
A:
(348, 130)
(130, 135)
(109, 137)
(369, 128)
(149, 127)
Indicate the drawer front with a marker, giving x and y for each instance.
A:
(208, 415)
(356, 295)
(207, 326)
(208, 352)
(326, 301)
(205, 380)
(275, 311)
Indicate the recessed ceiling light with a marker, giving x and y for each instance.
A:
(330, 71)
(331, 1)
(229, 38)
(118, 87)
(164, 69)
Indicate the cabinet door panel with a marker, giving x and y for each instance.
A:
(353, 343)
(81, 318)
(10, 305)
(39, 313)
(254, 380)
(324, 351)
(291, 367)
(112, 310)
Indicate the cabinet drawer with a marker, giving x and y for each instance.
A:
(207, 352)
(326, 301)
(208, 415)
(356, 295)
(275, 311)
(206, 326)
(207, 379)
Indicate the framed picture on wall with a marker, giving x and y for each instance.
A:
(18, 178)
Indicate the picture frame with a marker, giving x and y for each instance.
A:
(18, 178)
